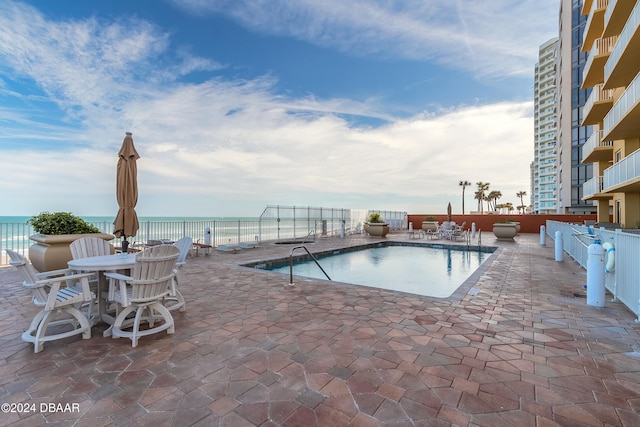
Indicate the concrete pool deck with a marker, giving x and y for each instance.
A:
(522, 348)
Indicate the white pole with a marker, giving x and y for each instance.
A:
(559, 246)
(543, 235)
(595, 275)
(473, 229)
(207, 236)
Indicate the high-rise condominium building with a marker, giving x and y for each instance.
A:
(544, 172)
(612, 40)
(572, 135)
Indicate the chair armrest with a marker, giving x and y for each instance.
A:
(117, 276)
(121, 280)
(61, 272)
(43, 282)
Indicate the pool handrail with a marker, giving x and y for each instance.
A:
(312, 257)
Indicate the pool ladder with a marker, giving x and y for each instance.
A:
(479, 239)
(311, 233)
(312, 257)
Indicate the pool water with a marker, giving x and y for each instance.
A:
(427, 271)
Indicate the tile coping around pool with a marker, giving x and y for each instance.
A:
(458, 294)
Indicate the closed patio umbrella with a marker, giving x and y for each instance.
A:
(126, 222)
(449, 212)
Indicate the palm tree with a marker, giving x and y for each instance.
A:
(483, 187)
(463, 184)
(493, 197)
(508, 206)
(479, 197)
(521, 194)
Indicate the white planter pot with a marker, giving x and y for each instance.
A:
(505, 231)
(430, 225)
(377, 229)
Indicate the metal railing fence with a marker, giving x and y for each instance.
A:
(622, 282)
(275, 223)
(298, 221)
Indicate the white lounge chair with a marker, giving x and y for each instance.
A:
(229, 247)
(59, 303)
(142, 293)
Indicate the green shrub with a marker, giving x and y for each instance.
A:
(375, 218)
(430, 218)
(60, 223)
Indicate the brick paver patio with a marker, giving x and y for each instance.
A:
(522, 348)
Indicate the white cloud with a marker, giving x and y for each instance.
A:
(208, 148)
(489, 38)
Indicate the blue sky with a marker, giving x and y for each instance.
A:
(236, 104)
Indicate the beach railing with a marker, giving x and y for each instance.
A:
(299, 220)
(16, 235)
(275, 223)
(622, 282)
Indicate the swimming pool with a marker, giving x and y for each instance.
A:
(422, 270)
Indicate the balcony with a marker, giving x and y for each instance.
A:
(592, 189)
(616, 16)
(623, 121)
(595, 149)
(597, 106)
(623, 64)
(594, 67)
(624, 176)
(547, 155)
(595, 23)
(586, 7)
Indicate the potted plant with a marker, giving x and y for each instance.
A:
(55, 232)
(375, 226)
(430, 224)
(505, 230)
(517, 224)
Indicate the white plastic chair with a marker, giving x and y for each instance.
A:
(59, 303)
(90, 246)
(175, 300)
(86, 247)
(142, 293)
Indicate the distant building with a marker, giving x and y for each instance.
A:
(572, 135)
(612, 40)
(544, 171)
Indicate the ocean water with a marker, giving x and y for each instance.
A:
(15, 232)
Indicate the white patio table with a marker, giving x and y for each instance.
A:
(100, 264)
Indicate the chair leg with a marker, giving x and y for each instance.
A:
(116, 329)
(33, 327)
(37, 332)
(181, 303)
(38, 343)
(166, 315)
(136, 325)
(175, 300)
(83, 320)
(143, 313)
